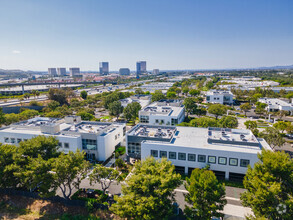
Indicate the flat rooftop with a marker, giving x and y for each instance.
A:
(219, 92)
(38, 121)
(158, 108)
(237, 140)
(85, 127)
(153, 131)
(274, 101)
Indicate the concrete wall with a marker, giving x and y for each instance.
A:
(16, 109)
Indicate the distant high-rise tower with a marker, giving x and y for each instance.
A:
(140, 68)
(104, 68)
(124, 71)
(156, 71)
(75, 71)
(61, 71)
(52, 72)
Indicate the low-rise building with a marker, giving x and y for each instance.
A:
(143, 100)
(274, 105)
(96, 139)
(227, 152)
(164, 112)
(219, 96)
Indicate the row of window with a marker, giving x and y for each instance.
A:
(89, 144)
(65, 145)
(200, 158)
(13, 140)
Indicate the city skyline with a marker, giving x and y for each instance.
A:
(169, 35)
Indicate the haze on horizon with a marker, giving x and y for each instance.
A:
(168, 34)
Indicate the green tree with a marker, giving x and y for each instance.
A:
(107, 100)
(86, 116)
(281, 126)
(269, 186)
(83, 94)
(228, 122)
(139, 91)
(115, 108)
(157, 96)
(190, 105)
(34, 103)
(250, 124)
(2, 117)
(54, 114)
(194, 92)
(11, 118)
(206, 196)
(130, 112)
(104, 176)
(26, 95)
(289, 128)
(217, 109)
(245, 107)
(273, 137)
(171, 95)
(149, 192)
(46, 147)
(120, 163)
(59, 95)
(28, 113)
(34, 93)
(204, 122)
(7, 154)
(52, 105)
(68, 171)
(185, 90)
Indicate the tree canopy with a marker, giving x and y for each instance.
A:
(115, 108)
(217, 109)
(269, 186)
(157, 96)
(205, 195)
(130, 112)
(149, 191)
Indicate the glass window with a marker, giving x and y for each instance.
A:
(211, 159)
(6, 140)
(163, 154)
(154, 153)
(233, 161)
(201, 158)
(208, 98)
(222, 160)
(89, 144)
(18, 140)
(66, 145)
(157, 121)
(60, 144)
(244, 163)
(191, 157)
(172, 155)
(181, 156)
(12, 140)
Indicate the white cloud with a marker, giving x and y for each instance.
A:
(16, 51)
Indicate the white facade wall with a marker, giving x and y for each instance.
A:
(74, 142)
(146, 148)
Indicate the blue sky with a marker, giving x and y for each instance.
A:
(168, 34)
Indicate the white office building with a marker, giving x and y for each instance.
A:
(227, 152)
(164, 112)
(61, 71)
(74, 72)
(97, 139)
(143, 100)
(274, 105)
(52, 72)
(219, 96)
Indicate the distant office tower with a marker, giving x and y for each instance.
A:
(61, 71)
(74, 71)
(140, 68)
(124, 71)
(156, 71)
(52, 72)
(104, 68)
